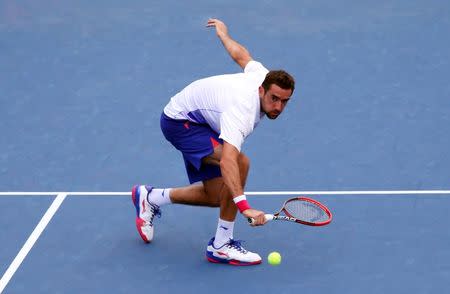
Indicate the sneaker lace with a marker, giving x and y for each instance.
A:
(236, 244)
(156, 211)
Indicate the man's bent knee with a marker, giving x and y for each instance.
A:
(214, 188)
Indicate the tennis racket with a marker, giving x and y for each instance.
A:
(302, 210)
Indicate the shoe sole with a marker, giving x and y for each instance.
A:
(135, 196)
(231, 262)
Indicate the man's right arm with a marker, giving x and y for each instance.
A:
(238, 52)
(229, 167)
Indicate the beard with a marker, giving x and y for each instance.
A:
(272, 116)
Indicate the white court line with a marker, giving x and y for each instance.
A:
(261, 193)
(31, 240)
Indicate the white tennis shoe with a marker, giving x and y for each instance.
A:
(232, 253)
(145, 212)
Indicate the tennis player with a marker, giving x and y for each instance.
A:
(208, 122)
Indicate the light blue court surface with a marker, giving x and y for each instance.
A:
(376, 244)
(82, 85)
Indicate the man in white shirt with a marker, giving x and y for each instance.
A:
(208, 122)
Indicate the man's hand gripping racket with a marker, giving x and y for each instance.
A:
(301, 210)
(257, 217)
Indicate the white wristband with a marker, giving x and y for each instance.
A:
(241, 203)
(239, 198)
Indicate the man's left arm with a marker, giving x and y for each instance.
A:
(238, 52)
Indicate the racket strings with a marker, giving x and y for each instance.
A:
(306, 211)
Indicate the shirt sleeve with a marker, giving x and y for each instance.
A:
(233, 129)
(255, 66)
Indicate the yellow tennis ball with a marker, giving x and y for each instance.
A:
(274, 258)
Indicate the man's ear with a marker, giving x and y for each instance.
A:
(261, 91)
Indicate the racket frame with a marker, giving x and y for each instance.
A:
(289, 217)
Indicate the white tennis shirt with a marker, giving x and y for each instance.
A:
(229, 103)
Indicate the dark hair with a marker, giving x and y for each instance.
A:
(280, 78)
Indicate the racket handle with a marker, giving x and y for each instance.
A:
(268, 217)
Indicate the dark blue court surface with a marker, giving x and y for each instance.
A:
(82, 86)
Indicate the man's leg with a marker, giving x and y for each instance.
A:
(212, 192)
(223, 248)
(148, 201)
(228, 208)
(195, 194)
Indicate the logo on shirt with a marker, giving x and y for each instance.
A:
(242, 133)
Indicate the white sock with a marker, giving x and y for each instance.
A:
(224, 233)
(159, 197)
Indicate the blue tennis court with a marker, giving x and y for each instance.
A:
(82, 86)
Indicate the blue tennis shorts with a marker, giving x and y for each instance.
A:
(195, 141)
